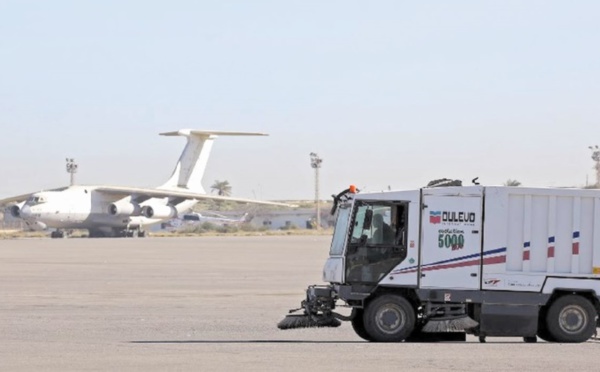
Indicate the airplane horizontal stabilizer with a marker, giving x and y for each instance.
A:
(208, 133)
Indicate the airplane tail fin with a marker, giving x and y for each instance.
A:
(190, 168)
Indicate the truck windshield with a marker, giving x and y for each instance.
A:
(341, 231)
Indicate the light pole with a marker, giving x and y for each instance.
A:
(72, 169)
(596, 157)
(315, 163)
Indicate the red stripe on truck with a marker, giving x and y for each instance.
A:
(486, 261)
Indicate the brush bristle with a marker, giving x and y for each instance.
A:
(450, 325)
(305, 321)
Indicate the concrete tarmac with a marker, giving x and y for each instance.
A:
(209, 304)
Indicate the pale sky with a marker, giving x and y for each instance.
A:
(389, 93)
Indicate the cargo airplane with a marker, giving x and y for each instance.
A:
(114, 211)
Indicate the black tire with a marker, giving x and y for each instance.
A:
(542, 331)
(358, 324)
(545, 335)
(571, 318)
(389, 318)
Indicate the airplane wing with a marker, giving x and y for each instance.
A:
(165, 193)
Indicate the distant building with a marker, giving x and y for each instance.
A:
(300, 218)
(294, 218)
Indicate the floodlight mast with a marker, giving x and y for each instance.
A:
(315, 163)
(72, 169)
(596, 157)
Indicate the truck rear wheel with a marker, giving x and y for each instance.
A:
(358, 324)
(389, 318)
(571, 318)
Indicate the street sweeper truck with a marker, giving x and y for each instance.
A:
(488, 261)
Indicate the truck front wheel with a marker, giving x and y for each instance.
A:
(389, 318)
(358, 324)
(571, 318)
(542, 328)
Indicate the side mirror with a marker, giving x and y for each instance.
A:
(368, 220)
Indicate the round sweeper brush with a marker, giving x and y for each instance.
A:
(307, 321)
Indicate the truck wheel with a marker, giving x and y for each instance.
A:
(543, 331)
(389, 318)
(358, 324)
(571, 318)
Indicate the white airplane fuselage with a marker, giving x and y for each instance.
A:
(81, 207)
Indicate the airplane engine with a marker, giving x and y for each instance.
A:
(15, 211)
(124, 209)
(159, 211)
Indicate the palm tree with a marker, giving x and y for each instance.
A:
(510, 182)
(223, 188)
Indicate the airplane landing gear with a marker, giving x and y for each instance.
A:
(118, 233)
(133, 233)
(58, 234)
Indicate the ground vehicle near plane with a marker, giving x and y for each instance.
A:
(195, 219)
(514, 261)
(113, 211)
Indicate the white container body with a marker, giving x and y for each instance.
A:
(502, 238)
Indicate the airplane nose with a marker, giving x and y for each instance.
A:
(25, 211)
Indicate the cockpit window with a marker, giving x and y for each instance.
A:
(33, 200)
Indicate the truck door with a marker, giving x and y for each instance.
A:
(377, 241)
(451, 242)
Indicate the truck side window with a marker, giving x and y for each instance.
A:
(386, 228)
